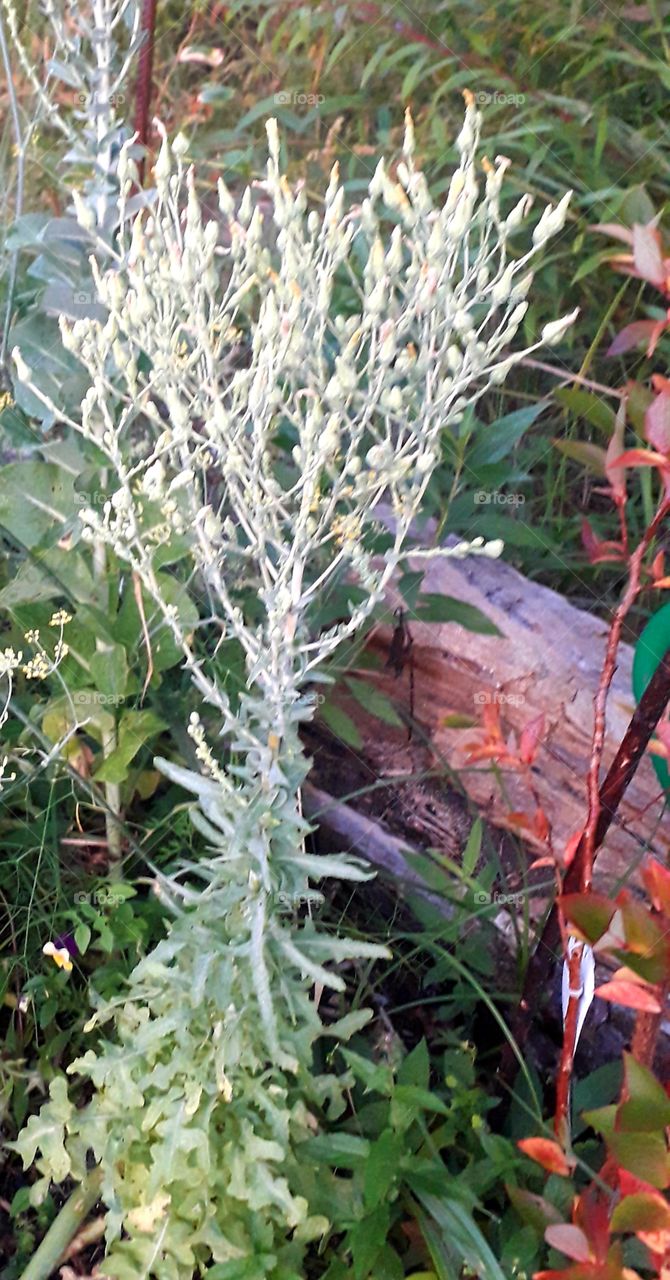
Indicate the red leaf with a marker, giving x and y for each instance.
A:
(657, 423)
(656, 335)
(617, 474)
(648, 255)
(631, 994)
(613, 229)
(530, 739)
(629, 1185)
(572, 847)
(541, 826)
(641, 458)
(569, 1240)
(598, 550)
(547, 1153)
(658, 568)
(656, 879)
(630, 336)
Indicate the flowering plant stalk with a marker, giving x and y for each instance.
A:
(252, 430)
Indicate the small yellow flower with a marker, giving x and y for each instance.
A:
(60, 618)
(32, 636)
(59, 955)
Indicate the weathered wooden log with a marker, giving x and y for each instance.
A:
(547, 661)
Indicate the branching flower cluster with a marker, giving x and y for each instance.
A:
(255, 405)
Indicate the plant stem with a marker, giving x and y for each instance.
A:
(21, 144)
(144, 83)
(113, 828)
(49, 1253)
(634, 743)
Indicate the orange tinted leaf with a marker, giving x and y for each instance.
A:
(547, 1153)
(656, 879)
(630, 994)
(572, 847)
(531, 736)
(596, 549)
(641, 458)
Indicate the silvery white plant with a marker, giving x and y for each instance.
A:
(253, 429)
(94, 43)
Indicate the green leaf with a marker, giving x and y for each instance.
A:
(341, 725)
(584, 404)
(109, 669)
(135, 729)
(374, 702)
(415, 1068)
(641, 1211)
(367, 1238)
(381, 1167)
(350, 1024)
(643, 1154)
(473, 848)
(432, 607)
(82, 937)
(36, 501)
(494, 442)
(45, 1133)
(129, 632)
(590, 456)
(55, 371)
(457, 1236)
(647, 1105)
(590, 912)
(339, 1150)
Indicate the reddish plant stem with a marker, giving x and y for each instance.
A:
(600, 706)
(564, 1077)
(144, 84)
(646, 716)
(647, 1028)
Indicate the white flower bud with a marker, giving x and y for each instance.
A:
(552, 220)
(556, 329)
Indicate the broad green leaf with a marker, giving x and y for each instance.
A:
(340, 1150)
(36, 501)
(135, 729)
(415, 1068)
(367, 1238)
(645, 1155)
(432, 607)
(374, 702)
(382, 1167)
(589, 455)
(129, 632)
(341, 725)
(494, 442)
(584, 404)
(109, 670)
(647, 1105)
